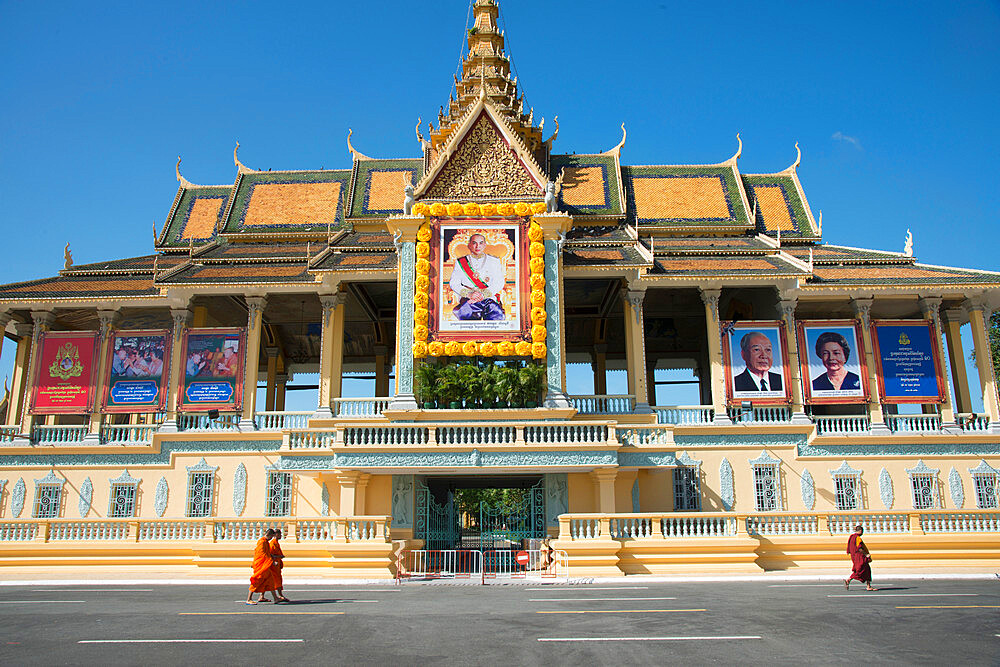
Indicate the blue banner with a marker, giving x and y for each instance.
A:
(209, 392)
(135, 392)
(907, 361)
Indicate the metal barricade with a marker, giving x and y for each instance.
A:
(439, 564)
(525, 564)
(488, 565)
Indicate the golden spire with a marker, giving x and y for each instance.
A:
(486, 72)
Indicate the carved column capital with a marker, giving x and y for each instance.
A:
(180, 316)
(930, 307)
(255, 307)
(271, 352)
(788, 305)
(955, 315)
(974, 303)
(107, 321)
(5, 319)
(863, 310)
(23, 329)
(329, 302)
(43, 318)
(711, 299)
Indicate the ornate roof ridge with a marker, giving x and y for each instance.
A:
(185, 184)
(731, 162)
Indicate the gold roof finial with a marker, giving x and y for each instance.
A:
(240, 167)
(355, 155)
(618, 149)
(798, 160)
(185, 183)
(68, 257)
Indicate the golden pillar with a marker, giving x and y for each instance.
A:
(42, 321)
(635, 349)
(953, 319)
(331, 352)
(930, 307)
(717, 372)
(604, 489)
(106, 319)
(281, 381)
(600, 366)
(978, 319)
(862, 310)
(272, 378)
(795, 369)
(251, 372)
(19, 379)
(381, 370)
(349, 480)
(181, 317)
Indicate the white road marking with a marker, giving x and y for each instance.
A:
(590, 588)
(648, 639)
(590, 599)
(92, 590)
(343, 590)
(803, 585)
(338, 601)
(905, 595)
(188, 641)
(40, 601)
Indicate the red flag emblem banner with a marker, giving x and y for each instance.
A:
(65, 373)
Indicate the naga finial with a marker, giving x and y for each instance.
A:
(185, 183)
(240, 167)
(907, 245)
(618, 149)
(548, 142)
(798, 159)
(354, 154)
(420, 137)
(67, 257)
(739, 150)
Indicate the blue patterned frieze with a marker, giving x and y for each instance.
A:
(239, 490)
(742, 440)
(956, 489)
(556, 497)
(646, 459)
(324, 499)
(727, 491)
(448, 460)
(160, 498)
(808, 490)
(402, 501)
(885, 488)
(135, 459)
(404, 375)
(86, 497)
(636, 505)
(950, 448)
(474, 458)
(17, 498)
(685, 459)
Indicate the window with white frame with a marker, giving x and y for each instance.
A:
(687, 489)
(984, 479)
(121, 501)
(923, 482)
(279, 493)
(766, 482)
(847, 487)
(47, 500)
(200, 488)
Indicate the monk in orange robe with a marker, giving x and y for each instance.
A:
(262, 578)
(279, 563)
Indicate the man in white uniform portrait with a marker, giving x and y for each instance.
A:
(478, 279)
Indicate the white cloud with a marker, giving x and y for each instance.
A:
(840, 136)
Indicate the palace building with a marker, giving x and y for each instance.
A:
(828, 382)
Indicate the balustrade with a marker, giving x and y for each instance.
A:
(566, 434)
(603, 404)
(127, 434)
(761, 414)
(782, 524)
(960, 522)
(685, 415)
(59, 435)
(171, 530)
(9, 433)
(393, 436)
(913, 423)
(638, 436)
(312, 530)
(698, 526)
(476, 435)
(246, 531)
(842, 424)
(360, 408)
(278, 421)
(843, 524)
(201, 422)
(973, 423)
(87, 530)
(17, 532)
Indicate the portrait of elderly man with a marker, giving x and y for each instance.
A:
(478, 279)
(755, 348)
(834, 351)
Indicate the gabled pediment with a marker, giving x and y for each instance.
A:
(484, 159)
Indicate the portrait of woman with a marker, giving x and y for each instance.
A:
(833, 361)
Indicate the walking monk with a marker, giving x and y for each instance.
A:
(279, 563)
(262, 578)
(860, 560)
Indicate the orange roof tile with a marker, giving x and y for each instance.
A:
(773, 208)
(203, 218)
(584, 186)
(274, 204)
(679, 198)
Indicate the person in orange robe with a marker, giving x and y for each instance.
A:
(860, 560)
(279, 563)
(262, 578)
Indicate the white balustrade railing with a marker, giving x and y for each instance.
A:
(171, 530)
(201, 422)
(893, 522)
(314, 439)
(698, 526)
(395, 435)
(783, 524)
(684, 415)
(279, 420)
(9, 433)
(960, 522)
(584, 528)
(87, 530)
(973, 423)
(476, 435)
(53, 435)
(246, 531)
(17, 531)
(127, 434)
(315, 530)
(566, 434)
(632, 527)
(360, 408)
(913, 423)
(761, 414)
(842, 424)
(603, 404)
(637, 436)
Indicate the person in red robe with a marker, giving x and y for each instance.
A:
(860, 559)
(262, 578)
(279, 563)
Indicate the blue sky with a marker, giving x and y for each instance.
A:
(894, 104)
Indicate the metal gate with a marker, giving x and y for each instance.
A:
(505, 525)
(435, 524)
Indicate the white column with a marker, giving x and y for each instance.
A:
(251, 369)
(106, 319)
(181, 317)
(862, 310)
(931, 309)
(953, 320)
(635, 349)
(795, 369)
(979, 317)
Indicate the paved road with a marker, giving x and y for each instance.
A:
(629, 622)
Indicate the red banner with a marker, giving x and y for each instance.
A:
(65, 373)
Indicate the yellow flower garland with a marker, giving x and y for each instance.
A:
(422, 347)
